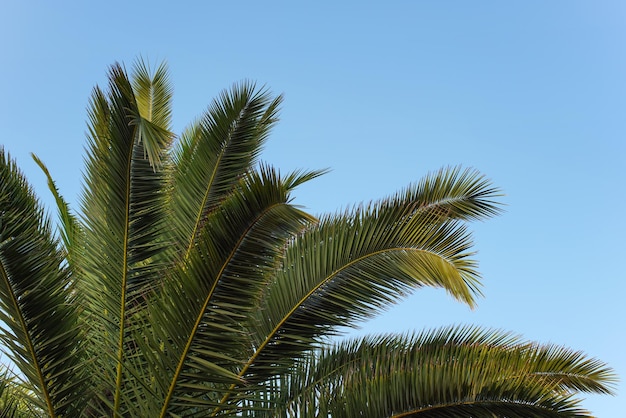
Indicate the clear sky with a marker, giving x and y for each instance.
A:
(531, 93)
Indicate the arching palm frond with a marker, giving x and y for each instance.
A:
(448, 372)
(456, 193)
(348, 267)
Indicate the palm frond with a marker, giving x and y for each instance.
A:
(39, 319)
(124, 207)
(69, 228)
(448, 372)
(213, 155)
(351, 266)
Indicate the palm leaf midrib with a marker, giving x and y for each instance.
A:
(120, 350)
(202, 208)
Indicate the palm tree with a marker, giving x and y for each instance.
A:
(188, 284)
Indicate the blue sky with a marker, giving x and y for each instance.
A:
(532, 94)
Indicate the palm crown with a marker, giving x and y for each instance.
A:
(190, 285)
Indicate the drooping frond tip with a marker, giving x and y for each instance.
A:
(69, 224)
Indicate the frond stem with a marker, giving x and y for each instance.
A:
(120, 345)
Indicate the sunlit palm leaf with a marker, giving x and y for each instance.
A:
(16, 401)
(350, 266)
(153, 95)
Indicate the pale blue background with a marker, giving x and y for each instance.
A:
(532, 93)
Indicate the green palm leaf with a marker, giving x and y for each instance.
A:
(349, 266)
(189, 284)
(125, 205)
(213, 155)
(244, 240)
(39, 321)
(456, 193)
(69, 226)
(449, 372)
(16, 400)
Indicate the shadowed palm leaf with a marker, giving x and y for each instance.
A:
(449, 372)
